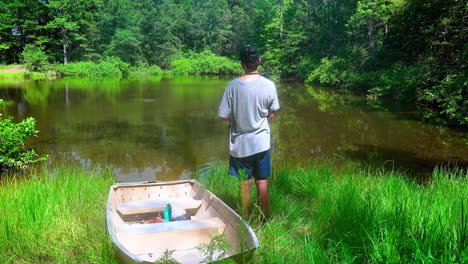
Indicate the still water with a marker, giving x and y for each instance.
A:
(164, 128)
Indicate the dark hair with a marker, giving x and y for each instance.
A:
(249, 56)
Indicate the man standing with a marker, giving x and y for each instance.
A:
(249, 103)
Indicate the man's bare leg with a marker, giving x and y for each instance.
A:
(245, 196)
(263, 196)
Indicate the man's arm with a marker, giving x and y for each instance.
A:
(274, 104)
(224, 111)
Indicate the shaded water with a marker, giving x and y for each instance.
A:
(161, 128)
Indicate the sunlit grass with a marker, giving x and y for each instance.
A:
(324, 215)
(23, 75)
(319, 214)
(56, 218)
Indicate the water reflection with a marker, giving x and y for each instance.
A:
(142, 128)
(155, 128)
(322, 124)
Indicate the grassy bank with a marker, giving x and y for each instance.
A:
(58, 218)
(18, 72)
(323, 215)
(204, 63)
(319, 214)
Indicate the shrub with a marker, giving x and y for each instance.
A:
(12, 138)
(111, 66)
(154, 70)
(183, 66)
(306, 65)
(398, 82)
(330, 72)
(34, 58)
(205, 62)
(438, 92)
(116, 62)
(447, 97)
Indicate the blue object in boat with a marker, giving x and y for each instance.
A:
(168, 212)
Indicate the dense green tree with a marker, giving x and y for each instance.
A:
(21, 23)
(209, 27)
(163, 32)
(126, 45)
(369, 26)
(69, 24)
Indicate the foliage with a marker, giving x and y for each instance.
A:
(215, 250)
(116, 62)
(437, 94)
(110, 66)
(167, 258)
(69, 24)
(205, 62)
(34, 58)
(12, 137)
(55, 216)
(155, 69)
(330, 72)
(126, 45)
(352, 215)
(447, 97)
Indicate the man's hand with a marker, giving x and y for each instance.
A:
(271, 116)
(227, 120)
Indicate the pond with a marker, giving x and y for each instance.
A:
(165, 128)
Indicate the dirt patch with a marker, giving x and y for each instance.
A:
(13, 68)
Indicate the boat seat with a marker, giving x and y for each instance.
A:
(179, 235)
(152, 206)
(199, 224)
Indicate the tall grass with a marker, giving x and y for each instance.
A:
(56, 218)
(319, 214)
(324, 215)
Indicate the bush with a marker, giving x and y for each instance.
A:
(438, 92)
(183, 66)
(446, 97)
(110, 66)
(333, 72)
(305, 66)
(12, 138)
(34, 58)
(116, 62)
(399, 82)
(205, 62)
(154, 70)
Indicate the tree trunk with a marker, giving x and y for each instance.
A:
(65, 54)
(370, 32)
(65, 46)
(281, 19)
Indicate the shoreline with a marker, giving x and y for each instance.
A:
(18, 72)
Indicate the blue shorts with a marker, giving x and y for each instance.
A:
(256, 165)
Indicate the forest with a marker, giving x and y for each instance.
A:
(403, 51)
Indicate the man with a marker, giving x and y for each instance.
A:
(248, 104)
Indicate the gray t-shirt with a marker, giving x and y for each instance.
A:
(247, 104)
